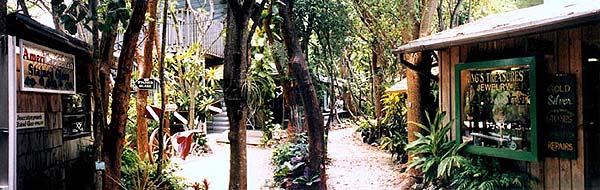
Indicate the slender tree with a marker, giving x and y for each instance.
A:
(145, 71)
(237, 64)
(312, 111)
(115, 134)
(290, 105)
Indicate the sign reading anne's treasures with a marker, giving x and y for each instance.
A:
(497, 107)
(561, 116)
(46, 70)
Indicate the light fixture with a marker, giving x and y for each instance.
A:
(592, 59)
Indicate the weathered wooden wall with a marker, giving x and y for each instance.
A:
(562, 51)
(44, 159)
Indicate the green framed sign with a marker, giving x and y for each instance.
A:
(496, 108)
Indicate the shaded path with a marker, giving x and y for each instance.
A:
(215, 166)
(356, 165)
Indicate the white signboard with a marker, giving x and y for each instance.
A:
(46, 70)
(30, 120)
(171, 107)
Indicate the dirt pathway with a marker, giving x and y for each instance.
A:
(215, 166)
(356, 165)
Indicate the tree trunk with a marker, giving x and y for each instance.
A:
(418, 85)
(3, 17)
(192, 107)
(99, 119)
(145, 71)
(56, 19)
(312, 111)
(237, 64)
(23, 7)
(287, 90)
(115, 135)
(376, 59)
(454, 15)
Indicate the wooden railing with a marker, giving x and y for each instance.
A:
(191, 29)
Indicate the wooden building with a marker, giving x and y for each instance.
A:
(524, 86)
(53, 110)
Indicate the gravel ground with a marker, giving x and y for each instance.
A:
(356, 165)
(215, 166)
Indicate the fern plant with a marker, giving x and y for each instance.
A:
(484, 175)
(436, 156)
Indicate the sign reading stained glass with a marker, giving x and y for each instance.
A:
(46, 70)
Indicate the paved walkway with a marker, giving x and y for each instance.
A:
(356, 165)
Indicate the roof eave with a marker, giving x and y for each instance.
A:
(417, 46)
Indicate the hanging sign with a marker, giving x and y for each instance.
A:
(146, 84)
(171, 107)
(561, 116)
(46, 70)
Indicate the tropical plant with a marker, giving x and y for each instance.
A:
(192, 86)
(484, 174)
(291, 165)
(436, 156)
(141, 174)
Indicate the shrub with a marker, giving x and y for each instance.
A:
(441, 165)
(141, 175)
(435, 154)
(291, 165)
(482, 174)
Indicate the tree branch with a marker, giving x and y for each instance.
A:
(235, 6)
(417, 69)
(454, 16)
(255, 17)
(248, 4)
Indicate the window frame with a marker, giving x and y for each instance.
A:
(531, 155)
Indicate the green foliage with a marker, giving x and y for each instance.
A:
(187, 77)
(259, 87)
(110, 14)
(269, 128)
(141, 175)
(435, 154)
(291, 165)
(391, 135)
(484, 174)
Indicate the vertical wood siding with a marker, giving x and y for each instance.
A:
(564, 57)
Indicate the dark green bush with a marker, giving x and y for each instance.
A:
(437, 157)
(483, 174)
(291, 165)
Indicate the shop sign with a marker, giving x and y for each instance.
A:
(146, 84)
(561, 116)
(30, 120)
(46, 70)
(497, 108)
(171, 107)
